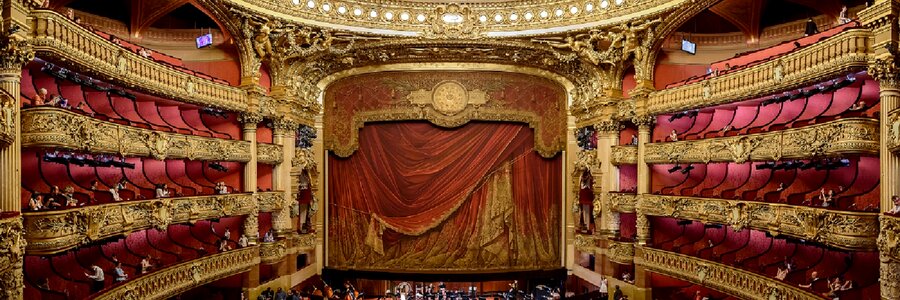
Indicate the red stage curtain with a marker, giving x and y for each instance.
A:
(449, 199)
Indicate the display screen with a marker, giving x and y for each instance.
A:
(688, 47)
(204, 40)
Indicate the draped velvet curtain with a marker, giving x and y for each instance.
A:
(419, 197)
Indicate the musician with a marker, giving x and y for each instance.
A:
(349, 291)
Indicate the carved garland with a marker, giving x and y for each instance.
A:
(841, 229)
(12, 251)
(59, 128)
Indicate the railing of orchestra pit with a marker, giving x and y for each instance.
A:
(53, 127)
(842, 53)
(56, 36)
(54, 231)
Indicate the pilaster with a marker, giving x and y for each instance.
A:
(608, 136)
(643, 175)
(283, 134)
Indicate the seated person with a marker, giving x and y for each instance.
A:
(269, 237)
(243, 241)
(837, 286)
(221, 188)
(55, 199)
(115, 190)
(813, 277)
(145, 265)
(896, 209)
(70, 197)
(223, 245)
(782, 273)
(858, 106)
(41, 97)
(673, 136)
(36, 202)
(162, 190)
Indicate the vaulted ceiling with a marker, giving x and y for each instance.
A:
(752, 16)
(139, 15)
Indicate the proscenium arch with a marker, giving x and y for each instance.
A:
(567, 85)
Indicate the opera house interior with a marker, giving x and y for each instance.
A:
(432, 149)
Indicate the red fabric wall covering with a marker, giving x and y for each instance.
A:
(628, 178)
(264, 176)
(228, 70)
(627, 223)
(409, 175)
(264, 134)
(625, 135)
(665, 74)
(265, 80)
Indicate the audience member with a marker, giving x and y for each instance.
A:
(36, 202)
(120, 275)
(269, 237)
(221, 188)
(673, 136)
(782, 273)
(162, 190)
(243, 241)
(41, 97)
(634, 140)
(858, 106)
(115, 190)
(896, 209)
(813, 277)
(98, 281)
(811, 27)
(842, 17)
(223, 245)
(145, 265)
(69, 195)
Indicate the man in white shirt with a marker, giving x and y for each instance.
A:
(97, 278)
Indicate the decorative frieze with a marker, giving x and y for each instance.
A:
(269, 153)
(623, 155)
(54, 35)
(182, 277)
(273, 252)
(270, 201)
(585, 243)
(841, 229)
(845, 52)
(12, 250)
(620, 252)
(55, 231)
(889, 252)
(839, 137)
(52, 127)
(622, 202)
(733, 281)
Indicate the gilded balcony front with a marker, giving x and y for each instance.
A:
(270, 201)
(54, 35)
(269, 153)
(839, 137)
(623, 155)
(841, 229)
(733, 281)
(49, 232)
(52, 127)
(182, 277)
(622, 202)
(843, 53)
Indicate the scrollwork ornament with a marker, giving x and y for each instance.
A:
(15, 54)
(886, 70)
(643, 120)
(608, 126)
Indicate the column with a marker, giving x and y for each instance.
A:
(250, 122)
(283, 134)
(607, 137)
(643, 176)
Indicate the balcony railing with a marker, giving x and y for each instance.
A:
(840, 229)
(273, 252)
(839, 137)
(56, 36)
(269, 153)
(624, 155)
(733, 281)
(270, 201)
(845, 52)
(182, 277)
(60, 128)
(622, 202)
(620, 252)
(54, 231)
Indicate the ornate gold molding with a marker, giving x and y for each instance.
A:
(270, 201)
(269, 153)
(623, 155)
(845, 52)
(889, 248)
(273, 252)
(56, 36)
(468, 20)
(622, 202)
(842, 136)
(893, 122)
(733, 281)
(9, 114)
(51, 232)
(182, 277)
(59, 128)
(840, 229)
(12, 251)
(620, 252)
(585, 243)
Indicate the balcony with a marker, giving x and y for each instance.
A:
(840, 229)
(49, 232)
(835, 138)
(270, 201)
(845, 52)
(624, 155)
(59, 128)
(620, 252)
(182, 277)
(735, 282)
(622, 202)
(56, 36)
(269, 153)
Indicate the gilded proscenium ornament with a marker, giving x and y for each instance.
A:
(835, 138)
(733, 281)
(622, 202)
(270, 201)
(889, 252)
(55, 231)
(269, 153)
(623, 155)
(838, 55)
(60, 128)
(174, 280)
(841, 229)
(57, 37)
(12, 252)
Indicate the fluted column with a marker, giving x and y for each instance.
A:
(607, 137)
(283, 135)
(643, 176)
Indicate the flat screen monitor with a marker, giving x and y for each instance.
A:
(204, 40)
(688, 47)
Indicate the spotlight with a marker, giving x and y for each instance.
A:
(687, 169)
(685, 222)
(675, 168)
(218, 167)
